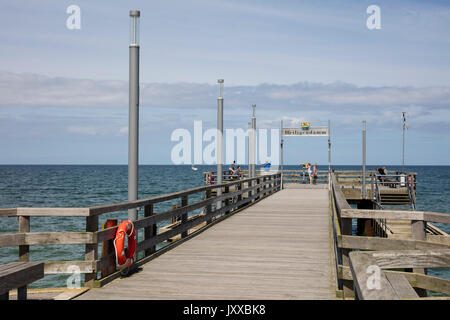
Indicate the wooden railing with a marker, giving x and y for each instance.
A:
(378, 254)
(301, 176)
(235, 196)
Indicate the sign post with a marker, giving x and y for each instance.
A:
(307, 131)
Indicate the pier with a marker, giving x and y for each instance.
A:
(266, 240)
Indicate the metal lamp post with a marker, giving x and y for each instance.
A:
(219, 139)
(364, 160)
(133, 124)
(281, 150)
(253, 150)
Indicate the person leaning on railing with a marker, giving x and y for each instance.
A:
(236, 173)
(383, 177)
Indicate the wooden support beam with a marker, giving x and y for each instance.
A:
(418, 231)
(184, 216)
(151, 230)
(108, 249)
(91, 250)
(24, 253)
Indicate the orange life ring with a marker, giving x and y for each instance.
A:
(125, 256)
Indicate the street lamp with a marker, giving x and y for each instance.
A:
(133, 113)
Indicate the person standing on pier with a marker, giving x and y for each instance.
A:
(315, 172)
(231, 168)
(310, 176)
(266, 166)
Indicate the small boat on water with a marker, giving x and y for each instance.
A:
(194, 168)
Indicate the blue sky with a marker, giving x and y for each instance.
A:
(64, 93)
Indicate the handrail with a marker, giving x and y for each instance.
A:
(418, 252)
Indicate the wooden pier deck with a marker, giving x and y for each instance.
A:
(279, 248)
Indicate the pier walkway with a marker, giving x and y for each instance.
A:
(279, 248)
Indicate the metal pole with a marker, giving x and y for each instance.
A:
(329, 147)
(133, 125)
(249, 147)
(254, 141)
(403, 144)
(363, 194)
(329, 156)
(219, 140)
(281, 146)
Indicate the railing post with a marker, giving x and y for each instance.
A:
(418, 228)
(24, 253)
(239, 197)
(271, 184)
(265, 186)
(91, 250)
(258, 190)
(184, 216)
(208, 208)
(108, 248)
(150, 231)
(227, 200)
(347, 285)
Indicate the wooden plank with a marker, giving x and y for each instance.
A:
(401, 286)
(65, 267)
(438, 239)
(397, 214)
(53, 212)
(431, 283)
(26, 239)
(382, 214)
(8, 212)
(436, 217)
(368, 285)
(374, 243)
(12, 239)
(435, 258)
(40, 238)
(19, 275)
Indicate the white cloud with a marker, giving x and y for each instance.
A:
(342, 103)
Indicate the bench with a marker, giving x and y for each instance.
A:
(19, 275)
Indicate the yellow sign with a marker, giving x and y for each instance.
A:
(306, 126)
